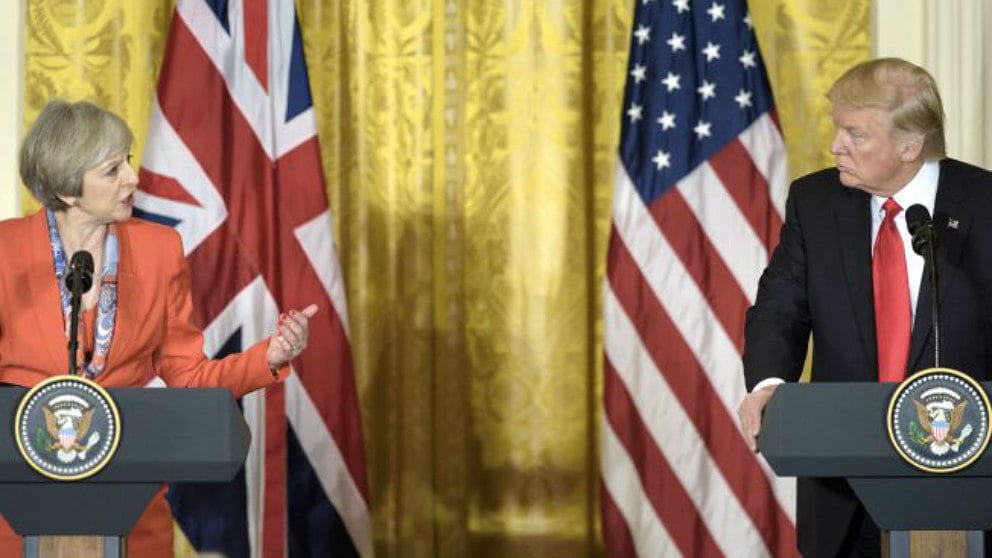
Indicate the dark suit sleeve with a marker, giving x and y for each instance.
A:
(777, 329)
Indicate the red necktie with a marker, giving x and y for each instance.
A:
(891, 286)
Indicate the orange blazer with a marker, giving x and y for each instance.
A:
(154, 335)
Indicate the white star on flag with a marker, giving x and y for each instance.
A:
(635, 112)
(639, 73)
(662, 159)
(643, 34)
(667, 120)
(747, 59)
(702, 130)
(716, 11)
(707, 90)
(712, 52)
(743, 99)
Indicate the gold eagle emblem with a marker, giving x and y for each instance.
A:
(66, 430)
(927, 417)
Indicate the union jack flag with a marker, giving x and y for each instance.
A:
(700, 189)
(233, 163)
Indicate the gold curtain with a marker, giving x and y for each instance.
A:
(807, 44)
(469, 154)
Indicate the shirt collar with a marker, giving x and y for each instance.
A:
(922, 189)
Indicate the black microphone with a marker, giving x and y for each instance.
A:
(921, 227)
(78, 281)
(80, 266)
(924, 234)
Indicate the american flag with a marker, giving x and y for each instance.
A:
(700, 190)
(233, 163)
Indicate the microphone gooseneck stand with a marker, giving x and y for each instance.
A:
(78, 280)
(75, 301)
(931, 264)
(924, 240)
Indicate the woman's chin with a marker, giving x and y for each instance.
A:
(124, 213)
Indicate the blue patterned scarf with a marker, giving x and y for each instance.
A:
(107, 306)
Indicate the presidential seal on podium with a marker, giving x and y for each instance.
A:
(67, 428)
(938, 420)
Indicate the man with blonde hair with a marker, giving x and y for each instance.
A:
(845, 272)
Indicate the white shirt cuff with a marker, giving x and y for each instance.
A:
(768, 382)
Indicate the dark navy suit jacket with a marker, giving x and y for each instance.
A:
(819, 282)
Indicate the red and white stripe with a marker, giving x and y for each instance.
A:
(677, 476)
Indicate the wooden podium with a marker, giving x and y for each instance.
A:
(839, 430)
(167, 435)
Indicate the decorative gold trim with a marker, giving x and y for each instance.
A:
(115, 415)
(909, 381)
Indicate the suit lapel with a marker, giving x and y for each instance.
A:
(951, 220)
(126, 291)
(45, 293)
(853, 217)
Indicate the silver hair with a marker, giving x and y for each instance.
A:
(66, 140)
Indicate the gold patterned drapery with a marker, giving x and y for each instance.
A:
(469, 152)
(807, 44)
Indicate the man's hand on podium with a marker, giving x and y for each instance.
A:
(750, 412)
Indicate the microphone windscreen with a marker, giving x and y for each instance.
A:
(916, 216)
(82, 261)
(81, 268)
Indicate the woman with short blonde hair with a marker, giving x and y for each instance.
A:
(136, 321)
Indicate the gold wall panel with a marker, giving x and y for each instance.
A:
(104, 51)
(807, 44)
